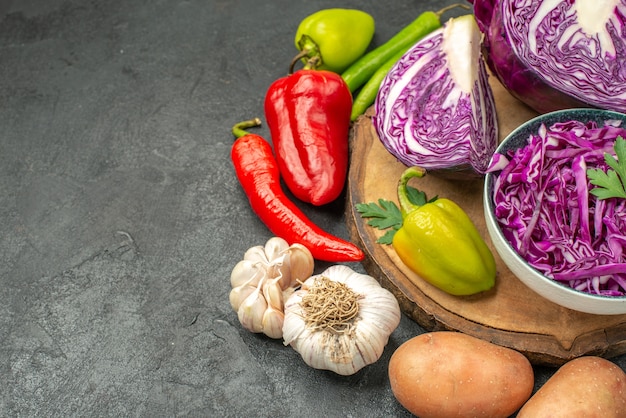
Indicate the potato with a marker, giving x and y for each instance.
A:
(450, 374)
(584, 387)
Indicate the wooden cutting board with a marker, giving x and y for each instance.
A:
(510, 314)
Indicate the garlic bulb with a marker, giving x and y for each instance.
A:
(340, 320)
(263, 280)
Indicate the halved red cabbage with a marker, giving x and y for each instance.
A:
(435, 108)
(544, 208)
(557, 54)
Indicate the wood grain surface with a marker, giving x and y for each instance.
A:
(510, 314)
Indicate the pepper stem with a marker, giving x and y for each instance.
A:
(239, 129)
(294, 61)
(406, 206)
(308, 49)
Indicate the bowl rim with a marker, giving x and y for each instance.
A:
(532, 126)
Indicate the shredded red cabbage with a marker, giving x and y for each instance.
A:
(544, 208)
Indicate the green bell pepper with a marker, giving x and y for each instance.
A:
(337, 36)
(439, 242)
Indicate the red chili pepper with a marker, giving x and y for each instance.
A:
(258, 174)
(308, 114)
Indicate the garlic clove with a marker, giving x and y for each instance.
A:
(370, 343)
(245, 270)
(326, 350)
(256, 253)
(251, 310)
(313, 350)
(273, 293)
(339, 353)
(301, 264)
(381, 309)
(245, 288)
(273, 320)
(274, 247)
(280, 268)
(287, 294)
(238, 294)
(294, 326)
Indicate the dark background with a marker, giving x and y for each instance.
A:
(121, 217)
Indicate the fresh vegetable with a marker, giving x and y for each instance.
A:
(383, 215)
(437, 241)
(566, 54)
(435, 108)
(257, 171)
(337, 36)
(264, 279)
(590, 387)
(610, 183)
(340, 320)
(369, 71)
(308, 113)
(367, 94)
(362, 69)
(449, 374)
(547, 209)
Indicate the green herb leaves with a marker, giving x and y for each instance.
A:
(387, 215)
(383, 216)
(612, 183)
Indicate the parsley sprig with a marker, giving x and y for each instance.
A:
(385, 215)
(612, 183)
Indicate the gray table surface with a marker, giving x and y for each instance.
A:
(122, 217)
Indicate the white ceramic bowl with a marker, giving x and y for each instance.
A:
(544, 286)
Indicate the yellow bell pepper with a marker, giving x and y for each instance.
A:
(440, 243)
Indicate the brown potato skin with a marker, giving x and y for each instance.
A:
(587, 387)
(449, 374)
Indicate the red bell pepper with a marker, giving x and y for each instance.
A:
(308, 115)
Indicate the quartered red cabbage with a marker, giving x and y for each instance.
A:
(557, 54)
(435, 108)
(544, 208)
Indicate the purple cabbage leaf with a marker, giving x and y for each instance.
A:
(435, 108)
(557, 54)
